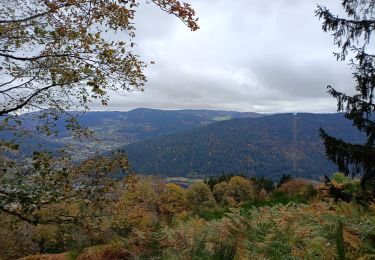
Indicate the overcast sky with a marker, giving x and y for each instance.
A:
(249, 55)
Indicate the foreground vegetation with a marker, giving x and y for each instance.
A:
(66, 210)
(230, 217)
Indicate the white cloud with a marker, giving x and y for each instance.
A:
(249, 55)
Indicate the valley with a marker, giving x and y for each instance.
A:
(202, 143)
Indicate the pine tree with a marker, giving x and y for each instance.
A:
(352, 35)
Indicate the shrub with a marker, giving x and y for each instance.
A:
(112, 251)
(137, 205)
(173, 201)
(219, 192)
(199, 195)
(239, 190)
(345, 183)
(295, 187)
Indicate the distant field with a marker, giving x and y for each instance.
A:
(183, 182)
(222, 118)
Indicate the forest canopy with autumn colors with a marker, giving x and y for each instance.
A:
(186, 184)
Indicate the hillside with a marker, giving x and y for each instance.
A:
(266, 146)
(115, 129)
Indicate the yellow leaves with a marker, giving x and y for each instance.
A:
(137, 205)
(352, 239)
(219, 192)
(173, 199)
(114, 250)
(372, 207)
(72, 2)
(52, 5)
(199, 195)
(233, 192)
(97, 90)
(295, 186)
(316, 225)
(78, 29)
(146, 201)
(239, 189)
(60, 31)
(292, 231)
(184, 11)
(337, 185)
(108, 53)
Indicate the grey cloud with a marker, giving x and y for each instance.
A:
(249, 55)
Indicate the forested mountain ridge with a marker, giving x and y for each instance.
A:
(204, 142)
(113, 129)
(266, 146)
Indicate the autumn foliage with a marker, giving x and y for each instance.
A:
(56, 56)
(150, 218)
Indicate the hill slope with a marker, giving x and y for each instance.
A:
(266, 146)
(115, 129)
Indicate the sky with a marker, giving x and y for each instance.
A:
(249, 55)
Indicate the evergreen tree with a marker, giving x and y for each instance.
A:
(352, 35)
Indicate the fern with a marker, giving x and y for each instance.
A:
(224, 251)
(340, 243)
(157, 235)
(199, 251)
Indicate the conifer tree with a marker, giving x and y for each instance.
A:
(352, 35)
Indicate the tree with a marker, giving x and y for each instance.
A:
(263, 183)
(295, 187)
(137, 206)
(239, 189)
(212, 181)
(58, 190)
(219, 192)
(199, 195)
(56, 54)
(173, 200)
(352, 35)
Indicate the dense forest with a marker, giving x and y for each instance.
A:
(110, 130)
(200, 143)
(267, 146)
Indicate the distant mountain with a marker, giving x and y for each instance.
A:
(263, 146)
(116, 129)
(30, 143)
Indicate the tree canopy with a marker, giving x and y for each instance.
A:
(60, 54)
(57, 56)
(352, 35)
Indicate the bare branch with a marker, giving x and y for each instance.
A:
(24, 103)
(34, 16)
